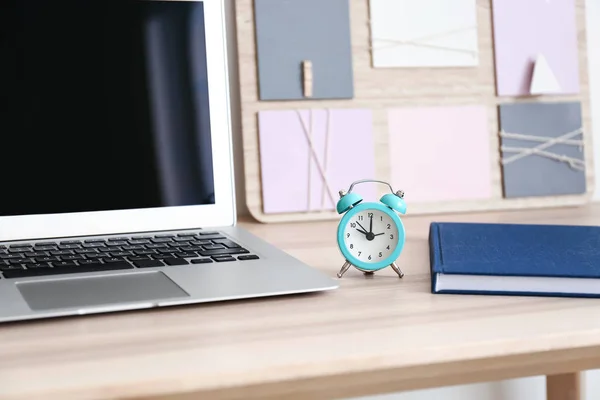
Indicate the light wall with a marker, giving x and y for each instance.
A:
(593, 38)
(517, 389)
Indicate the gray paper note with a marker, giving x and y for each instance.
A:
(540, 174)
(291, 31)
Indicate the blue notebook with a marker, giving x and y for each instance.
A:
(515, 259)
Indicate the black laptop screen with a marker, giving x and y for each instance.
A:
(103, 106)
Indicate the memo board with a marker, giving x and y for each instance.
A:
(466, 131)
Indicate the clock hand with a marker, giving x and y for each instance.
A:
(377, 234)
(371, 225)
(363, 228)
(361, 231)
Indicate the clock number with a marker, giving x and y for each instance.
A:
(369, 257)
(382, 217)
(351, 246)
(380, 254)
(388, 247)
(389, 226)
(391, 236)
(359, 253)
(352, 224)
(360, 217)
(348, 234)
(370, 215)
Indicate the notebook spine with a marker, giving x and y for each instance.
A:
(435, 256)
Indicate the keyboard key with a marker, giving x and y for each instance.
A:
(16, 261)
(167, 251)
(12, 246)
(191, 248)
(226, 243)
(220, 252)
(148, 263)
(201, 261)
(71, 257)
(24, 273)
(61, 252)
(145, 251)
(71, 242)
(93, 245)
(9, 267)
(64, 264)
(186, 234)
(156, 246)
(183, 239)
(121, 253)
(223, 258)
(213, 237)
(175, 261)
(200, 242)
(248, 257)
(94, 241)
(44, 244)
(44, 247)
(186, 255)
(95, 255)
(138, 258)
(142, 237)
(38, 265)
(213, 247)
(84, 262)
(117, 243)
(134, 247)
(18, 249)
(37, 254)
(162, 256)
(68, 246)
(86, 251)
(46, 259)
(204, 233)
(2, 246)
(13, 256)
(161, 239)
(164, 236)
(118, 239)
(141, 241)
(113, 260)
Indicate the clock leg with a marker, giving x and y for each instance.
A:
(344, 269)
(397, 269)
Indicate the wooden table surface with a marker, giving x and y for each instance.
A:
(372, 335)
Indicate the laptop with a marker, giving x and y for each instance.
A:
(116, 157)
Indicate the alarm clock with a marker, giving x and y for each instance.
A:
(370, 235)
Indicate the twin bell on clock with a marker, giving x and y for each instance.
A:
(370, 235)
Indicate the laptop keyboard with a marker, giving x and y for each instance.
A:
(116, 253)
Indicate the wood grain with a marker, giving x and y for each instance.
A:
(372, 335)
(381, 88)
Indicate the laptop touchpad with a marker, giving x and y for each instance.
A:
(99, 290)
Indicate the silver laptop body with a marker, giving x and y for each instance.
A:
(131, 201)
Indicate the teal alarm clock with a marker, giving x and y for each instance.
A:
(370, 235)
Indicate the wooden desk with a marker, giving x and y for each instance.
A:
(372, 335)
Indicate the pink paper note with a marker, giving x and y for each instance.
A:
(343, 148)
(440, 153)
(525, 28)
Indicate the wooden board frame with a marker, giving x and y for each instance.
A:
(378, 89)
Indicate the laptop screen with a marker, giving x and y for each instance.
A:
(103, 106)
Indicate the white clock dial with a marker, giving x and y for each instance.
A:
(371, 236)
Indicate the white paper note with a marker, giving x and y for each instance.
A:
(423, 33)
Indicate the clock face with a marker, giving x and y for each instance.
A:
(371, 236)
